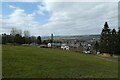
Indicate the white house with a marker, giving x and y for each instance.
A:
(65, 47)
(49, 45)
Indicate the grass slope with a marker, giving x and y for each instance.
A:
(32, 62)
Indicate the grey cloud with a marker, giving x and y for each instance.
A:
(70, 18)
(86, 17)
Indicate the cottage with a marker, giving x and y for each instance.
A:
(64, 47)
(49, 45)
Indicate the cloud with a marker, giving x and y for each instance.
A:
(41, 9)
(71, 18)
(0, 16)
(21, 20)
(13, 7)
(18, 19)
(67, 18)
(81, 0)
(20, 0)
(60, 0)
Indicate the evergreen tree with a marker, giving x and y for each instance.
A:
(18, 39)
(96, 46)
(4, 38)
(113, 41)
(105, 39)
(118, 42)
(44, 42)
(39, 40)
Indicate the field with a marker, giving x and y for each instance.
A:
(33, 62)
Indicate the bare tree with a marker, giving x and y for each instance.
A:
(15, 31)
(26, 33)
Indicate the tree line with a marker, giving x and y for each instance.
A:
(15, 37)
(109, 41)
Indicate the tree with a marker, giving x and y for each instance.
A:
(13, 34)
(0, 39)
(118, 42)
(96, 46)
(26, 33)
(113, 41)
(19, 31)
(105, 39)
(23, 40)
(44, 42)
(4, 38)
(39, 40)
(15, 31)
(18, 39)
(10, 38)
(26, 37)
(33, 39)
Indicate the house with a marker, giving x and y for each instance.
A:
(49, 45)
(64, 47)
(87, 47)
(56, 45)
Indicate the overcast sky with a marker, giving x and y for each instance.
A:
(60, 18)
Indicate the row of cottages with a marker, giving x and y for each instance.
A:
(72, 44)
(86, 46)
(80, 46)
(63, 46)
(67, 46)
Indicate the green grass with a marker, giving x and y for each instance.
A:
(32, 62)
(0, 61)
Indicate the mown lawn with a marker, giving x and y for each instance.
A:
(33, 62)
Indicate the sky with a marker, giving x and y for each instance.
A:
(60, 18)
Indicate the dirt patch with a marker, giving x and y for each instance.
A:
(108, 58)
(105, 55)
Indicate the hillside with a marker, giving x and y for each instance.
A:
(33, 62)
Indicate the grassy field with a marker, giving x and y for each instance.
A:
(0, 61)
(33, 62)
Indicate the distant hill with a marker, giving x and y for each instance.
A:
(77, 37)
